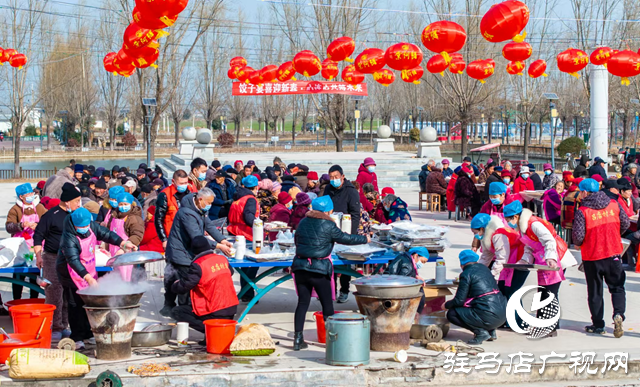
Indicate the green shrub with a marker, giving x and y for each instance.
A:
(30, 131)
(414, 134)
(571, 145)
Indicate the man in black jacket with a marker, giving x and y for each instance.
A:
(346, 199)
(191, 220)
(535, 178)
(478, 304)
(314, 239)
(581, 169)
(598, 168)
(492, 178)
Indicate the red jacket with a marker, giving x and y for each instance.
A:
(451, 196)
(364, 177)
(627, 206)
(150, 240)
(522, 185)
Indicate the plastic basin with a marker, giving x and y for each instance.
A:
(220, 335)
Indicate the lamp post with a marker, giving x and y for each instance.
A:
(553, 113)
(420, 109)
(150, 104)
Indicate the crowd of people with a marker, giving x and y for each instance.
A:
(81, 209)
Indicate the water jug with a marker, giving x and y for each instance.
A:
(347, 339)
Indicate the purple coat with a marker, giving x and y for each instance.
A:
(299, 213)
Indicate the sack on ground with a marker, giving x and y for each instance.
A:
(252, 340)
(12, 252)
(37, 363)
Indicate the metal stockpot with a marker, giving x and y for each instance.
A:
(112, 329)
(347, 339)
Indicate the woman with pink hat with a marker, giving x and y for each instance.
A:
(367, 174)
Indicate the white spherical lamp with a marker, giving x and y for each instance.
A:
(384, 131)
(428, 134)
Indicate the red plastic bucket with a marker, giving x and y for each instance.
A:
(26, 301)
(219, 334)
(28, 319)
(322, 332)
(28, 341)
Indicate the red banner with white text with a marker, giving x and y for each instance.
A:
(299, 87)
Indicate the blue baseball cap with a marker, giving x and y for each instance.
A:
(114, 192)
(480, 221)
(125, 197)
(323, 204)
(81, 217)
(421, 251)
(24, 189)
(497, 188)
(513, 208)
(589, 185)
(468, 256)
(250, 181)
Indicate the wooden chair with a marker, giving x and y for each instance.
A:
(433, 201)
(422, 198)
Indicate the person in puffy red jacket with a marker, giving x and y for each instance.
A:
(150, 240)
(523, 182)
(366, 174)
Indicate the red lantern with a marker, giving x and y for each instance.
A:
(624, 64)
(147, 60)
(231, 73)
(403, 56)
(151, 22)
(385, 77)
(437, 64)
(286, 71)
(351, 75)
(505, 21)
(141, 52)
(537, 68)
(517, 52)
(237, 61)
(244, 73)
(268, 73)
(457, 64)
(307, 63)
(18, 60)
(444, 37)
(370, 60)
(600, 56)
(329, 69)
(138, 37)
(340, 49)
(412, 75)
(515, 68)
(481, 69)
(571, 61)
(255, 78)
(7, 53)
(124, 64)
(108, 63)
(162, 8)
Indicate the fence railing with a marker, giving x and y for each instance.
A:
(29, 174)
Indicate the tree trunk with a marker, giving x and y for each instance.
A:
(338, 135)
(236, 123)
(449, 127)
(16, 148)
(176, 129)
(48, 136)
(540, 132)
(209, 124)
(489, 129)
(293, 127)
(564, 128)
(625, 128)
(463, 138)
(371, 129)
(527, 140)
(611, 130)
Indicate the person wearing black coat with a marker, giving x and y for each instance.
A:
(346, 199)
(581, 169)
(495, 177)
(535, 178)
(422, 177)
(312, 268)
(478, 304)
(598, 168)
(407, 264)
(223, 191)
(288, 182)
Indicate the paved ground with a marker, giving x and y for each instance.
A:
(276, 312)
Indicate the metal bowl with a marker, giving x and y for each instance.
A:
(135, 258)
(156, 337)
(388, 286)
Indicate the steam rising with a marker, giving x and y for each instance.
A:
(113, 284)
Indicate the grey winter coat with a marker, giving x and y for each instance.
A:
(53, 186)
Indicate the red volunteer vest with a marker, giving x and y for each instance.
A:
(512, 235)
(602, 239)
(560, 243)
(626, 206)
(237, 226)
(215, 290)
(172, 206)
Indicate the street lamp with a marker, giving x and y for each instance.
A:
(553, 113)
(150, 104)
(357, 98)
(420, 110)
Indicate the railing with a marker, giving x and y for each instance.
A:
(28, 174)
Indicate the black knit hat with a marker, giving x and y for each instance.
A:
(69, 192)
(200, 244)
(101, 184)
(216, 164)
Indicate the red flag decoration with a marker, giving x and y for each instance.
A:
(624, 64)
(299, 87)
(444, 37)
(571, 61)
(537, 68)
(505, 21)
(341, 49)
(403, 56)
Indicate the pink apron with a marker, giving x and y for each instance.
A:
(27, 231)
(117, 226)
(506, 275)
(87, 258)
(545, 277)
(333, 283)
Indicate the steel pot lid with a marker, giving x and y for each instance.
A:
(387, 280)
(135, 258)
(347, 317)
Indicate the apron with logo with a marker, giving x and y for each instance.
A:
(87, 258)
(27, 233)
(333, 283)
(117, 226)
(545, 277)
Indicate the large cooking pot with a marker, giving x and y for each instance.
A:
(387, 286)
(155, 335)
(110, 301)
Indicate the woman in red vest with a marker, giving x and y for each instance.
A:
(243, 212)
(209, 282)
